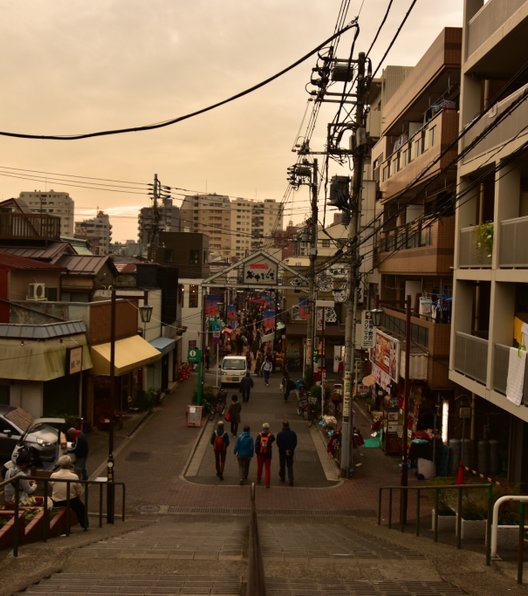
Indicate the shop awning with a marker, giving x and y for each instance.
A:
(164, 344)
(130, 353)
(42, 360)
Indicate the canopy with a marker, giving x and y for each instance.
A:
(130, 353)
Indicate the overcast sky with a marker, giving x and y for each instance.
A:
(78, 66)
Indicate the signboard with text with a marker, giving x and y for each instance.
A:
(260, 271)
(386, 354)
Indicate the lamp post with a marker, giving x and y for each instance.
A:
(404, 479)
(146, 315)
(145, 312)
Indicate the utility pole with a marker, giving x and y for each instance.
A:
(154, 232)
(310, 334)
(354, 272)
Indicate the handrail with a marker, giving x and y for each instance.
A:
(256, 585)
(459, 488)
(521, 499)
(47, 492)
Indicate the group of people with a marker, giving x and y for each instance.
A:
(246, 447)
(63, 493)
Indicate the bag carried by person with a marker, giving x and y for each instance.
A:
(219, 442)
(264, 446)
(228, 416)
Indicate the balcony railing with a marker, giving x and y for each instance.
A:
(29, 226)
(512, 246)
(471, 356)
(501, 357)
(407, 236)
(471, 255)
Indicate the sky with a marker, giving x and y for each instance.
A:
(72, 66)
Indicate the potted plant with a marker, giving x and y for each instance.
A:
(484, 240)
(445, 514)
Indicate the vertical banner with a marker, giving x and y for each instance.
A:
(269, 319)
(303, 308)
(211, 306)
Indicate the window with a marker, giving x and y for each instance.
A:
(193, 296)
(194, 257)
(325, 243)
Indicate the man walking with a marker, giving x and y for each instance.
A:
(267, 367)
(244, 453)
(286, 442)
(263, 444)
(246, 384)
(220, 442)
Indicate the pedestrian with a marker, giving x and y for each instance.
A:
(245, 386)
(286, 442)
(207, 358)
(26, 488)
(60, 490)
(220, 442)
(79, 449)
(235, 407)
(267, 367)
(244, 453)
(288, 385)
(263, 444)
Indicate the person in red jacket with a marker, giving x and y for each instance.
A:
(220, 442)
(263, 444)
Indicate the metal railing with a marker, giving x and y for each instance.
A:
(256, 585)
(521, 499)
(459, 488)
(18, 530)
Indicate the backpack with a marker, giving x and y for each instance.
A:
(264, 447)
(219, 442)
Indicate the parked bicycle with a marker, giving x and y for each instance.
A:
(307, 407)
(218, 407)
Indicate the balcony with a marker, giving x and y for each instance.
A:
(507, 130)
(472, 255)
(500, 371)
(418, 153)
(29, 226)
(471, 356)
(416, 250)
(512, 244)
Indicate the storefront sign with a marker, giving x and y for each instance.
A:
(367, 337)
(73, 360)
(386, 354)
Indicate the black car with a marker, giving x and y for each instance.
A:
(41, 436)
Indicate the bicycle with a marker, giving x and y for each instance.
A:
(219, 405)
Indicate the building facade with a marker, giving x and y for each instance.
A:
(166, 218)
(490, 320)
(97, 231)
(53, 203)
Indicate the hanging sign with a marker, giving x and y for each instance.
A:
(260, 271)
(367, 336)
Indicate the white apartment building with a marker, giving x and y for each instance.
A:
(266, 219)
(97, 231)
(490, 317)
(53, 203)
(241, 218)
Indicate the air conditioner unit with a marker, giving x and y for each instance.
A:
(36, 291)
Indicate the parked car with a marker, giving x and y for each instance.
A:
(41, 436)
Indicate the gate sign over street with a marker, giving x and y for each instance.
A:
(260, 271)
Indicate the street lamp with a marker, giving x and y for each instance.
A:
(145, 312)
(404, 480)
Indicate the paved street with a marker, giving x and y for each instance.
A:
(186, 531)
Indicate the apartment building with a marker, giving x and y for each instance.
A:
(166, 218)
(266, 220)
(97, 231)
(241, 221)
(490, 320)
(414, 165)
(52, 203)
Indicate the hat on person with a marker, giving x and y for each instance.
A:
(265, 426)
(220, 423)
(64, 461)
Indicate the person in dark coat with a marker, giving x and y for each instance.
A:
(246, 384)
(244, 452)
(79, 449)
(286, 442)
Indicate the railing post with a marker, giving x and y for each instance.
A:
(488, 525)
(520, 550)
(435, 516)
(16, 524)
(417, 489)
(459, 517)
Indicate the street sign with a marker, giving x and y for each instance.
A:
(194, 355)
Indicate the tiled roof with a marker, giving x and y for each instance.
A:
(16, 262)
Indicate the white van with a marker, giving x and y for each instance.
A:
(232, 370)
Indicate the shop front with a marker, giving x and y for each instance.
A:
(131, 354)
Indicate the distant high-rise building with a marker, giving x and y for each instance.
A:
(235, 227)
(165, 217)
(97, 231)
(54, 203)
